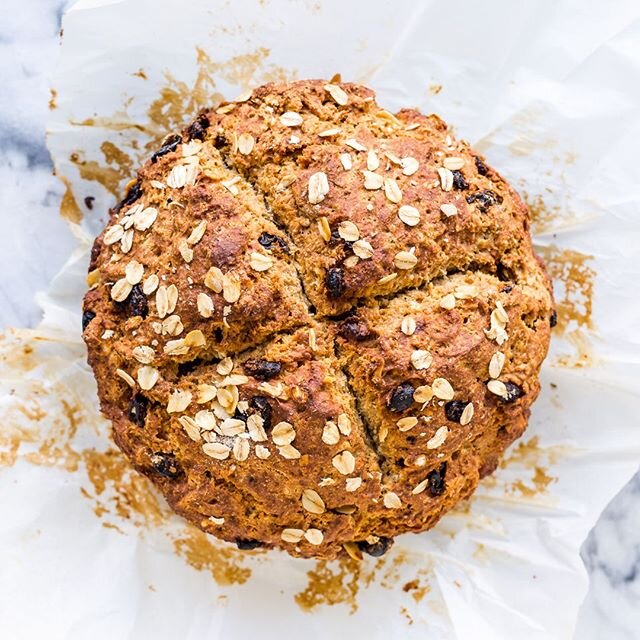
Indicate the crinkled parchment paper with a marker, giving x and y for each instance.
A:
(549, 91)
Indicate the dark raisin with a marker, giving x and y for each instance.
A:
(169, 144)
(453, 410)
(132, 195)
(355, 329)
(375, 549)
(553, 318)
(335, 282)
(185, 368)
(240, 415)
(435, 480)
(197, 129)
(261, 406)
(504, 273)
(401, 397)
(268, 240)
(138, 409)
(120, 307)
(87, 317)
(88, 202)
(262, 369)
(513, 392)
(165, 464)
(95, 254)
(506, 289)
(218, 334)
(481, 167)
(248, 545)
(335, 239)
(484, 199)
(138, 304)
(459, 182)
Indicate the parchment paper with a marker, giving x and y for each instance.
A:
(549, 91)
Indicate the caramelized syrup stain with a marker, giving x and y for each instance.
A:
(540, 483)
(416, 589)
(224, 563)
(330, 583)
(574, 279)
(55, 448)
(542, 214)
(69, 208)
(118, 492)
(532, 455)
(575, 275)
(340, 581)
(116, 168)
(405, 612)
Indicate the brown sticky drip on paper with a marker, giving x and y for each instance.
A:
(526, 452)
(418, 590)
(340, 581)
(69, 208)
(331, 583)
(547, 218)
(531, 455)
(118, 490)
(55, 448)
(405, 612)
(224, 563)
(542, 214)
(574, 279)
(116, 168)
(540, 483)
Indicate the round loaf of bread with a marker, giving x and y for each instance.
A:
(314, 324)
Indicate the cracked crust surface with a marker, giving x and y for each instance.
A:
(316, 325)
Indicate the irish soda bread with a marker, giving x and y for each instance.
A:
(314, 324)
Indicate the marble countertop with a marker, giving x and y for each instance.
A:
(36, 241)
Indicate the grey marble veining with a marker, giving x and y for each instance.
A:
(35, 241)
(611, 554)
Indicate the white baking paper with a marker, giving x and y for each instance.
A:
(549, 91)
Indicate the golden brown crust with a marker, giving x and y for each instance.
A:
(213, 330)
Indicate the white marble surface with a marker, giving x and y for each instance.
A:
(35, 241)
